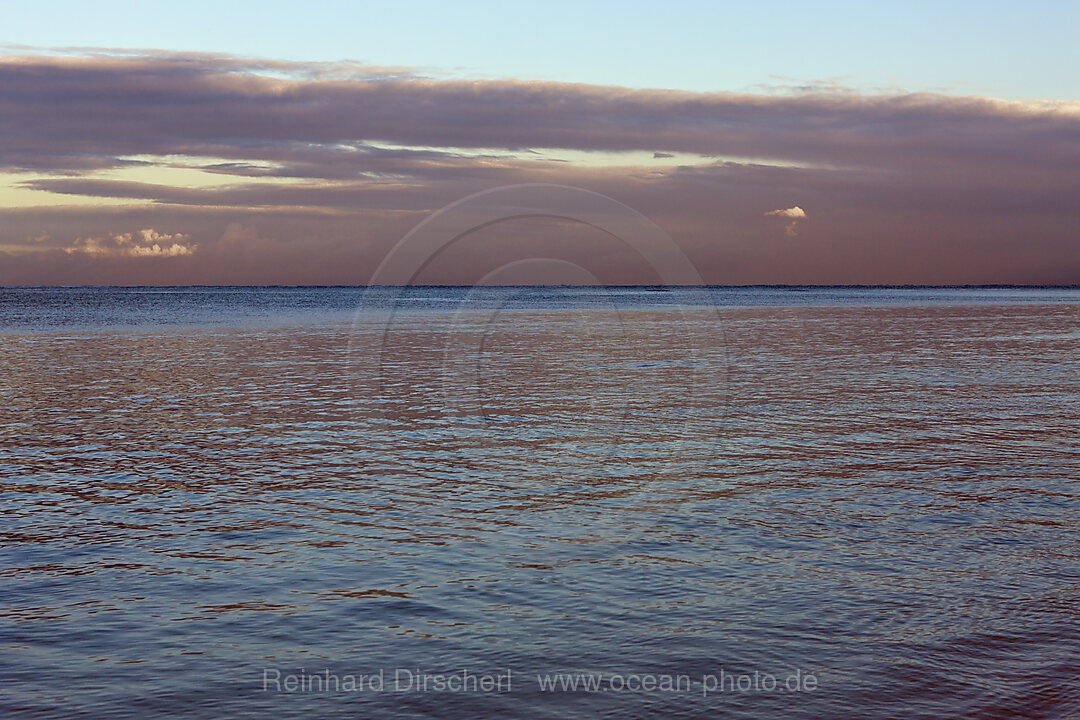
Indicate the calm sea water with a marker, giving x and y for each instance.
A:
(743, 503)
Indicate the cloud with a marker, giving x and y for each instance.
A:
(145, 243)
(333, 163)
(795, 214)
(54, 116)
(792, 212)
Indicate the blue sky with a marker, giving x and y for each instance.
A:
(1000, 49)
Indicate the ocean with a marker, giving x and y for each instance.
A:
(535, 502)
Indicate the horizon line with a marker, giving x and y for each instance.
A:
(868, 286)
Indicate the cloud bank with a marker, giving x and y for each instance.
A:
(329, 164)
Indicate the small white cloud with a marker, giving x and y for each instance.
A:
(148, 242)
(795, 213)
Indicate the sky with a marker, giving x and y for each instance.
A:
(833, 143)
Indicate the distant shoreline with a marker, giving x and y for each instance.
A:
(989, 286)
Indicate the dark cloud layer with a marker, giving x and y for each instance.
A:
(897, 189)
